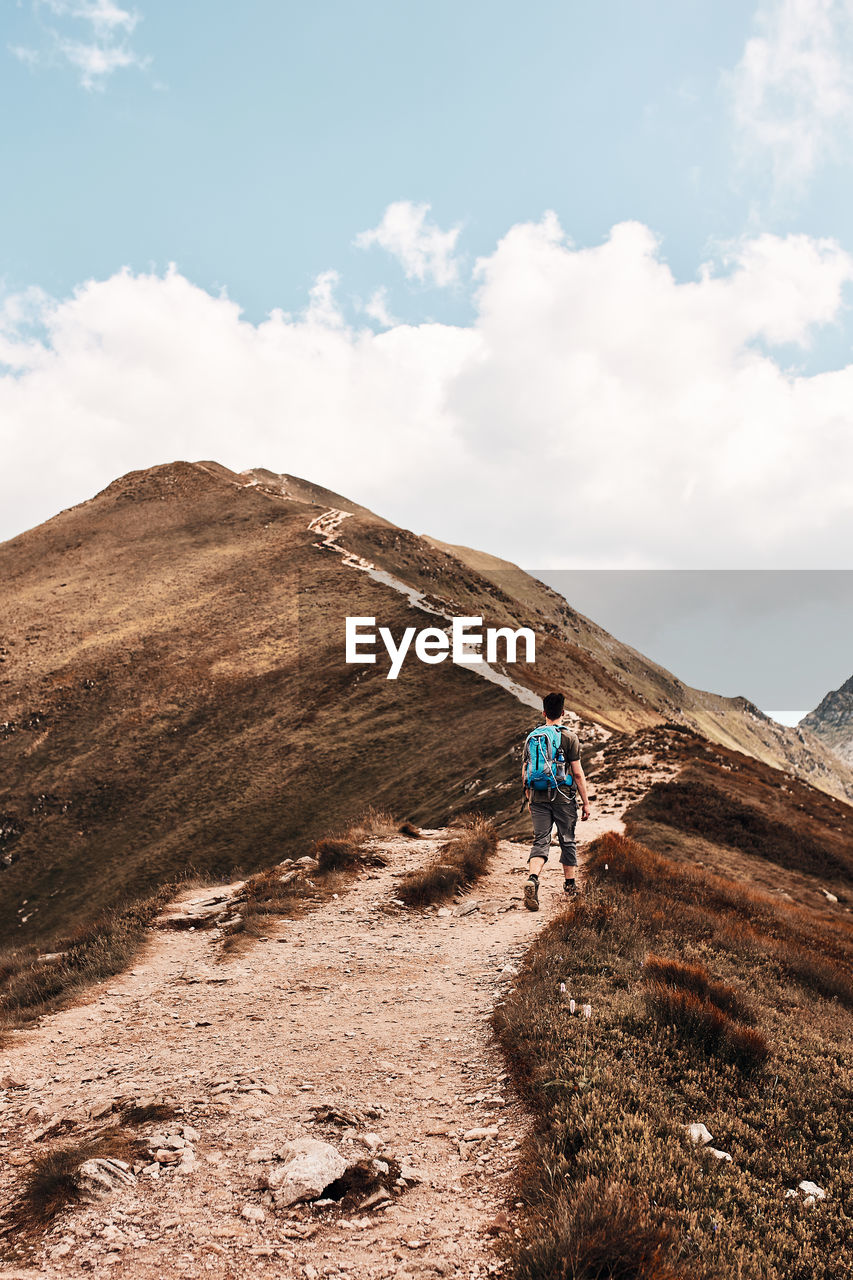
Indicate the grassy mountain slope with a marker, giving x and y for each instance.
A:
(639, 692)
(174, 699)
(711, 1003)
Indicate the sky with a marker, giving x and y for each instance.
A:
(456, 262)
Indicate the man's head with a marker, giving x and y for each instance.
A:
(553, 704)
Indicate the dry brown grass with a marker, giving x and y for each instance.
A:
(457, 863)
(30, 988)
(700, 1022)
(609, 1234)
(289, 892)
(51, 1183)
(815, 952)
(734, 801)
(695, 978)
(352, 847)
(668, 956)
(148, 1113)
(176, 736)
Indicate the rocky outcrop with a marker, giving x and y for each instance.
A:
(223, 906)
(832, 721)
(308, 1167)
(101, 1176)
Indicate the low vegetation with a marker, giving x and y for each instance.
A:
(52, 1181)
(695, 978)
(607, 1234)
(728, 799)
(814, 952)
(704, 1024)
(352, 849)
(694, 1017)
(457, 863)
(276, 893)
(31, 986)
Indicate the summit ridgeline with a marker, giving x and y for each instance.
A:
(173, 652)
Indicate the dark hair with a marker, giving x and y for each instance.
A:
(553, 705)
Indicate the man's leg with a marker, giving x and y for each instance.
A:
(566, 817)
(542, 823)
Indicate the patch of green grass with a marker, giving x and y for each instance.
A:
(612, 1095)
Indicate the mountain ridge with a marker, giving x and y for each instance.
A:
(832, 721)
(172, 676)
(653, 691)
(174, 707)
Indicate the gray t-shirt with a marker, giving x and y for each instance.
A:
(571, 745)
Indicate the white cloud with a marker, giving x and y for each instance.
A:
(323, 309)
(425, 252)
(104, 16)
(378, 309)
(92, 37)
(597, 412)
(792, 91)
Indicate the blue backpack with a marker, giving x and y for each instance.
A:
(546, 761)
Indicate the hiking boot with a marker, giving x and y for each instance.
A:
(570, 888)
(531, 894)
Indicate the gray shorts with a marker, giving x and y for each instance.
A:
(560, 811)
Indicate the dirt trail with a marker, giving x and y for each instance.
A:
(375, 1009)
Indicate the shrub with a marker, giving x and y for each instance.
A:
(275, 892)
(695, 978)
(702, 1023)
(457, 863)
(602, 1233)
(616, 857)
(348, 849)
(52, 1181)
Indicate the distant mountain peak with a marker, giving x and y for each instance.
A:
(832, 721)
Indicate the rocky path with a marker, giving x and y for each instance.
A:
(374, 1011)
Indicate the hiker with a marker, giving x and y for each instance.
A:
(552, 777)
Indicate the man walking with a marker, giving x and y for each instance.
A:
(552, 778)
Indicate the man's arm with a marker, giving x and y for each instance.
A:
(580, 783)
